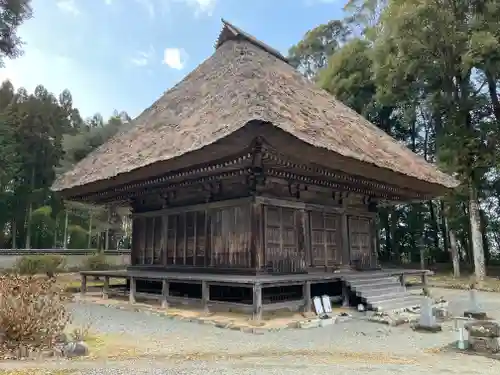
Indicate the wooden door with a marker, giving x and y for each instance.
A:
(283, 227)
(325, 239)
(360, 239)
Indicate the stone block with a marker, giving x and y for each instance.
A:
(309, 324)
(484, 344)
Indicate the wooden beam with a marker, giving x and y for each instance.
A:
(207, 238)
(165, 241)
(197, 207)
(165, 294)
(257, 302)
(152, 251)
(306, 292)
(195, 235)
(133, 290)
(255, 233)
(184, 246)
(205, 295)
(344, 230)
(306, 230)
(176, 225)
(105, 288)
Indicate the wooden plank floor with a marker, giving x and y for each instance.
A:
(313, 277)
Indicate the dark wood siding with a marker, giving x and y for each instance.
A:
(216, 237)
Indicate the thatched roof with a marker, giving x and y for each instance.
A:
(245, 80)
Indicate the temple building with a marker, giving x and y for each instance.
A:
(247, 168)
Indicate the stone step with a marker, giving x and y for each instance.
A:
(398, 303)
(374, 284)
(374, 292)
(385, 297)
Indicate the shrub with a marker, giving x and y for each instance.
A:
(51, 264)
(96, 262)
(32, 313)
(28, 265)
(48, 264)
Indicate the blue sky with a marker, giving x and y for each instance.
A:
(123, 54)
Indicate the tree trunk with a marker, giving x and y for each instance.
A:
(28, 226)
(393, 227)
(476, 236)
(65, 238)
(492, 89)
(444, 226)
(14, 234)
(454, 252)
(484, 232)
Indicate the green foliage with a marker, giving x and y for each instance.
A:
(427, 73)
(40, 264)
(96, 262)
(12, 14)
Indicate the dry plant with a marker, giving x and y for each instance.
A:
(32, 313)
(79, 334)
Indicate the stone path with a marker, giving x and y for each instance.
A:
(176, 347)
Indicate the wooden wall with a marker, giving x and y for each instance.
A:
(196, 237)
(278, 236)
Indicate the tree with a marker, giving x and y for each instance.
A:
(12, 14)
(312, 52)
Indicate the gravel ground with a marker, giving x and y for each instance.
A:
(344, 348)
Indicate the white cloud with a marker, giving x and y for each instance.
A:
(202, 6)
(175, 58)
(143, 58)
(68, 6)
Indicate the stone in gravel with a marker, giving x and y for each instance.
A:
(75, 349)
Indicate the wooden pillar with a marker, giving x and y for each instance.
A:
(106, 243)
(306, 235)
(89, 243)
(205, 295)
(83, 287)
(306, 291)
(344, 230)
(105, 288)
(208, 243)
(345, 295)
(164, 241)
(133, 288)
(374, 235)
(165, 293)
(257, 302)
(255, 234)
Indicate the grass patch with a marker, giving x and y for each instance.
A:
(447, 281)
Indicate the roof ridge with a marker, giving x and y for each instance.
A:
(231, 32)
